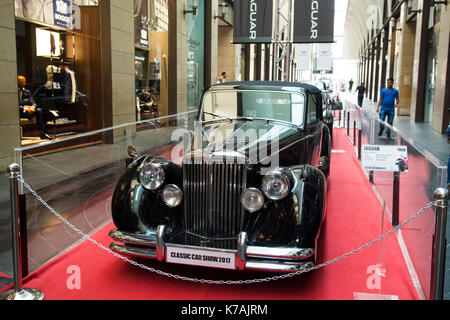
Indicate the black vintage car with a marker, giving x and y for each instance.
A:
(328, 105)
(250, 193)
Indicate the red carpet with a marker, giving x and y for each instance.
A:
(353, 219)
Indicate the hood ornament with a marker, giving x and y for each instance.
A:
(211, 148)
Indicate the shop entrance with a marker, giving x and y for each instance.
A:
(60, 68)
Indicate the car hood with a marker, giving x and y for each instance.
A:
(249, 140)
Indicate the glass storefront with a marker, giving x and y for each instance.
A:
(151, 58)
(58, 64)
(196, 54)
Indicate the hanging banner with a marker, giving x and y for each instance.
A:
(314, 21)
(303, 56)
(143, 39)
(324, 60)
(62, 12)
(253, 21)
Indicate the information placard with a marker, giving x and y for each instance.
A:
(385, 158)
(201, 258)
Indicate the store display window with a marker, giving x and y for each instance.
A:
(151, 52)
(58, 66)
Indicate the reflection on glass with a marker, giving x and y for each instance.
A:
(289, 107)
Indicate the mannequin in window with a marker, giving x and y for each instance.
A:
(28, 108)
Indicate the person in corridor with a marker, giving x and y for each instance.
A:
(389, 101)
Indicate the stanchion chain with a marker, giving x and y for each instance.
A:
(220, 282)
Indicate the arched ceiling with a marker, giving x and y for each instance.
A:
(360, 14)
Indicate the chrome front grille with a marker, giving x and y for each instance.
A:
(212, 206)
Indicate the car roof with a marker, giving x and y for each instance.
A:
(265, 85)
(319, 84)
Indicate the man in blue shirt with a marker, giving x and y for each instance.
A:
(389, 100)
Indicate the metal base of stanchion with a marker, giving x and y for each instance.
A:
(27, 294)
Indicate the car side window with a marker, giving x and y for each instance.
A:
(312, 109)
(324, 105)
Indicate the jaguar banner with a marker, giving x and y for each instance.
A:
(314, 21)
(253, 21)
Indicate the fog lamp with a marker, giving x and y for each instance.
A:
(151, 176)
(172, 195)
(275, 185)
(252, 199)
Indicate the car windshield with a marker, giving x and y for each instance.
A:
(281, 106)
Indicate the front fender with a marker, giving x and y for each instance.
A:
(296, 220)
(136, 209)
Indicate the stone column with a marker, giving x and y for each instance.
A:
(377, 69)
(178, 39)
(118, 69)
(405, 68)
(420, 62)
(226, 61)
(9, 119)
(442, 93)
(211, 41)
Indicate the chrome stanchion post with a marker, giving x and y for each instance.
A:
(348, 124)
(396, 200)
(19, 293)
(359, 143)
(439, 244)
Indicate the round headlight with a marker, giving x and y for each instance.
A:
(151, 176)
(172, 195)
(275, 185)
(252, 199)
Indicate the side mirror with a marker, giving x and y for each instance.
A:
(132, 152)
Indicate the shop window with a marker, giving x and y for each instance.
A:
(60, 63)
(151, 52)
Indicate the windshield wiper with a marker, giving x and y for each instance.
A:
(250, 119)
(217, 115)
(265, 120)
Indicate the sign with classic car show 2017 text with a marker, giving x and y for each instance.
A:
(201, 258)
(314, 21)
(385, 158)
(253, 21)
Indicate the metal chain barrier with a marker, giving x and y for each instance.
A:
(221, 282)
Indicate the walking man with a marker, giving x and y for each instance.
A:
(350, 85)
(361, 92)
(389, 100)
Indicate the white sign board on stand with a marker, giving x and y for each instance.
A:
(385, 158)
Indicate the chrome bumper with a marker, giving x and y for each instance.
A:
(268, 259)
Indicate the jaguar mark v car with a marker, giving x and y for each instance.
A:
(328, 104)
(249, 193)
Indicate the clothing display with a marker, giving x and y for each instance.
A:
(70, 86)
(53, 73)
